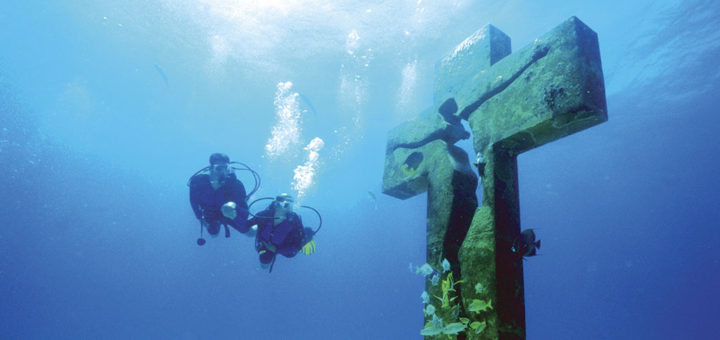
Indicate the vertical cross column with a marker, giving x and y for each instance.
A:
(421, 157)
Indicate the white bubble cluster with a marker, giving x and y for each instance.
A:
(352, 74)
(303, 177)
(408, 85)
(286, 131)
(352, 42)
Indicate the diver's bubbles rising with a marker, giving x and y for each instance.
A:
(406, 92)
(304, 173)
(287, 130)
(352, 92)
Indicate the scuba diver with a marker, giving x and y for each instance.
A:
(219, 198)
(281, 231)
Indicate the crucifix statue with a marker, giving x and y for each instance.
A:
(513, 103)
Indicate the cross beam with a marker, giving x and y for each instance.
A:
(513, 103)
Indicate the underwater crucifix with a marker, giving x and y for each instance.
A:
(513, 103)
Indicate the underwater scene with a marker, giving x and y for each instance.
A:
(303, 169)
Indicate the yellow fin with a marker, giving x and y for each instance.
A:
(406, 171)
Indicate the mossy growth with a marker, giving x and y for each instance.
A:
(443, 314)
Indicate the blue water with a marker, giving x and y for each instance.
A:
(106, 109)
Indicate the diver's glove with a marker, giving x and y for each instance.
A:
(309, 248)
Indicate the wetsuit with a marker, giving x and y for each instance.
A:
(288, 236)
(206, 203)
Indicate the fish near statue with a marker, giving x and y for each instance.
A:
(525, 244)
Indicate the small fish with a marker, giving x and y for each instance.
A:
(478, 288)
(431, 330)
(425, 270)
(454, 328)
(412, 163)
(308, 106)
(480, 305)
(162, 74)
(437, 321)
(435, 279)
(425, 297)
(525, 244)
(430, 310)
(445, 265)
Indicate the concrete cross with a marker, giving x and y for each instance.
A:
(513, 103)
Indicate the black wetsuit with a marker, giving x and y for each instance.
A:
(206, 203)
(288, 236)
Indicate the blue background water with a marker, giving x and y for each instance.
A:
(106, 108)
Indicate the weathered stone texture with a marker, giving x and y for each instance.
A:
(556, 89)
(477, 53)
(513, 102)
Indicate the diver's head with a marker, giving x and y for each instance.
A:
(219, 165)
(284, 201)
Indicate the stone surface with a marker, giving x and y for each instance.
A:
(451, 202)
(403, 181)
(478, 52)
(428, 126)
(550, 88)
(486, 256)
(446, 175)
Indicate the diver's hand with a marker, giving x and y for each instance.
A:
(252, 231)
(309, 248)
(228, 210)
(270, 246)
